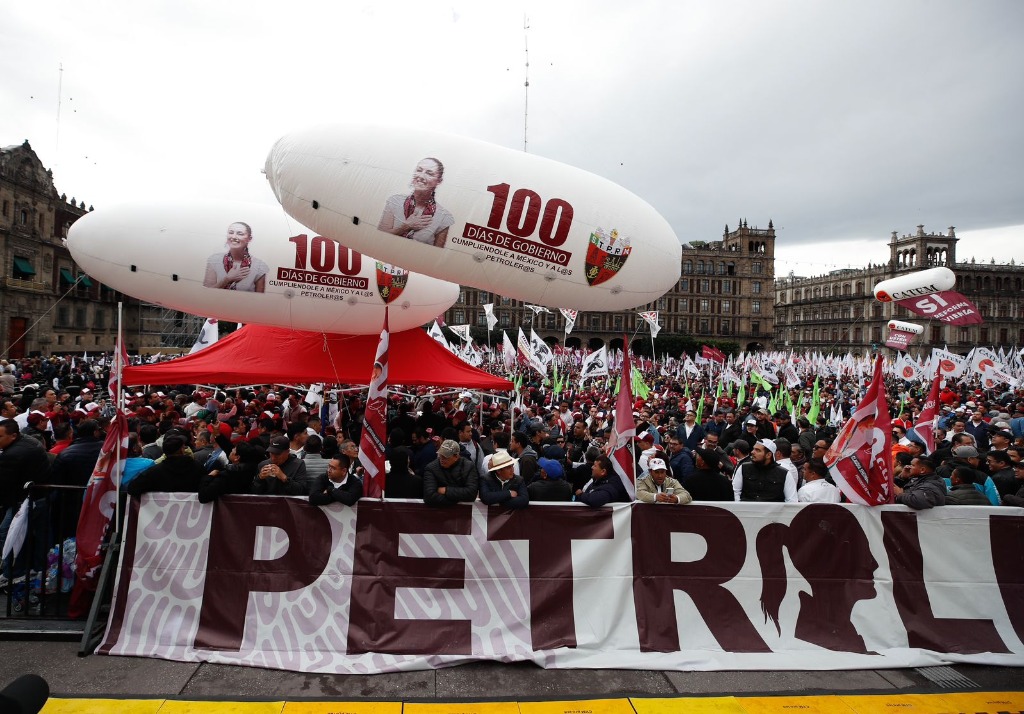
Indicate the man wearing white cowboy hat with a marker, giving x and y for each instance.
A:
(501, 486)
(658, 487)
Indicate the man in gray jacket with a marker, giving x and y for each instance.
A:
(450, 479)
(925, 488)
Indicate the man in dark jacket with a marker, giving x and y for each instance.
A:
(925, 488)
(178, 472)
(282, 474)
(74, 465)
(606, 487)
(550, 484)
(22, 459)
(680, 460)
(762, 479)
(450, 479)
(337, 485)
(1000, 466)
(707, 482)
(962, 491)
(786, 428)
(500, 486)
(522, 449)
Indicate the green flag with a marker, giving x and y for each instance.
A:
(812, 414)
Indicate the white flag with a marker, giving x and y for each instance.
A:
(651, 318)
(207, 336)
(461, 331)
(435, 332)
(526, 350)
(315, 396)
(537, 309)
(594, 365)
(570, 318)
(948, 364)
(541, 349)
(489, 315)
(508, 351)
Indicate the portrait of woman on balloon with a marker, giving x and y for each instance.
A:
(236, 269)
(418, 215)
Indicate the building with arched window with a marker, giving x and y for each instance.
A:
(844, 302)
(48, 305)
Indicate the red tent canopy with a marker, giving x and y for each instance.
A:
(258, 354)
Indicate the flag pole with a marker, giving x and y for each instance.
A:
(118, 367)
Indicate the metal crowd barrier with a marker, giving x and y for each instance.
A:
(37, 582)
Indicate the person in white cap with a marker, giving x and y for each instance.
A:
(658, 487)
(763, 480)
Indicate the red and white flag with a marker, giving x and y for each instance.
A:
(371, 442)
(925, 425)
(98, 506)
(860, 459)
(624, 430)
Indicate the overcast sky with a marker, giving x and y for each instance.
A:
(841, 121)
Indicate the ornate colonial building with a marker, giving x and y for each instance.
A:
(47, 304)
(838, 311)
(723, 293)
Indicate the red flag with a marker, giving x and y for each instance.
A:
(98, 506)
(946, 306)
(860, 459)
(928, 420)
(371, 442)
(712, 353)
(624, 429)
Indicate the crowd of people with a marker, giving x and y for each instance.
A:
(508, 450)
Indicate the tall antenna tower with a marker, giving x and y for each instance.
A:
(526, 84)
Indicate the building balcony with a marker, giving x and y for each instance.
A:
(32, 286)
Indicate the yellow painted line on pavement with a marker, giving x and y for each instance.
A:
(461, 708)
(696, 705)
(584, 706)
(102, 706)
(828, 704)
(342, 708)
(946, 703)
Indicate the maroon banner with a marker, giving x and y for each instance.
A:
(948, 306)
(712, 353)
(625, 428)
(899, 339)
(925, 425)
(371, 442)
(860, 459)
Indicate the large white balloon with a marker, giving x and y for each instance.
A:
(923, 282)
(906, 326)
(249, 263)
(501, 220)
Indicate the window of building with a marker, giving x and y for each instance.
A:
(727, 307)
(100, 320)
(63, 317)
(756, 267)
(684, 285)
(1004, 336)
(700, 267)
(505, 320)
(22, 269)
(485, 297)
(595, 322)
(505, 301)
(705, 286)
(688, 267)
(481, 319)
(983, 335)
(963, 335)
(60, 339)
(7, 206)
(721, 268)
(726, 326)
(24, 217)
(80, 317)
(459, 316)
(876, 310)
(755, 327)
(462, 297)
(757, 287)
(826, 291)
(755, 307)
(704, 327)
(727, 287)
(705, 305)
(617, 322)
(858, 334)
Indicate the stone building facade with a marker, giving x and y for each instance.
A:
(838, 311)
(724, 292)
(47, 304)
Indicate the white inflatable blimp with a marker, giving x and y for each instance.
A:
(906, 327)
(505, 221)
(923, 282)
(250, 263)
